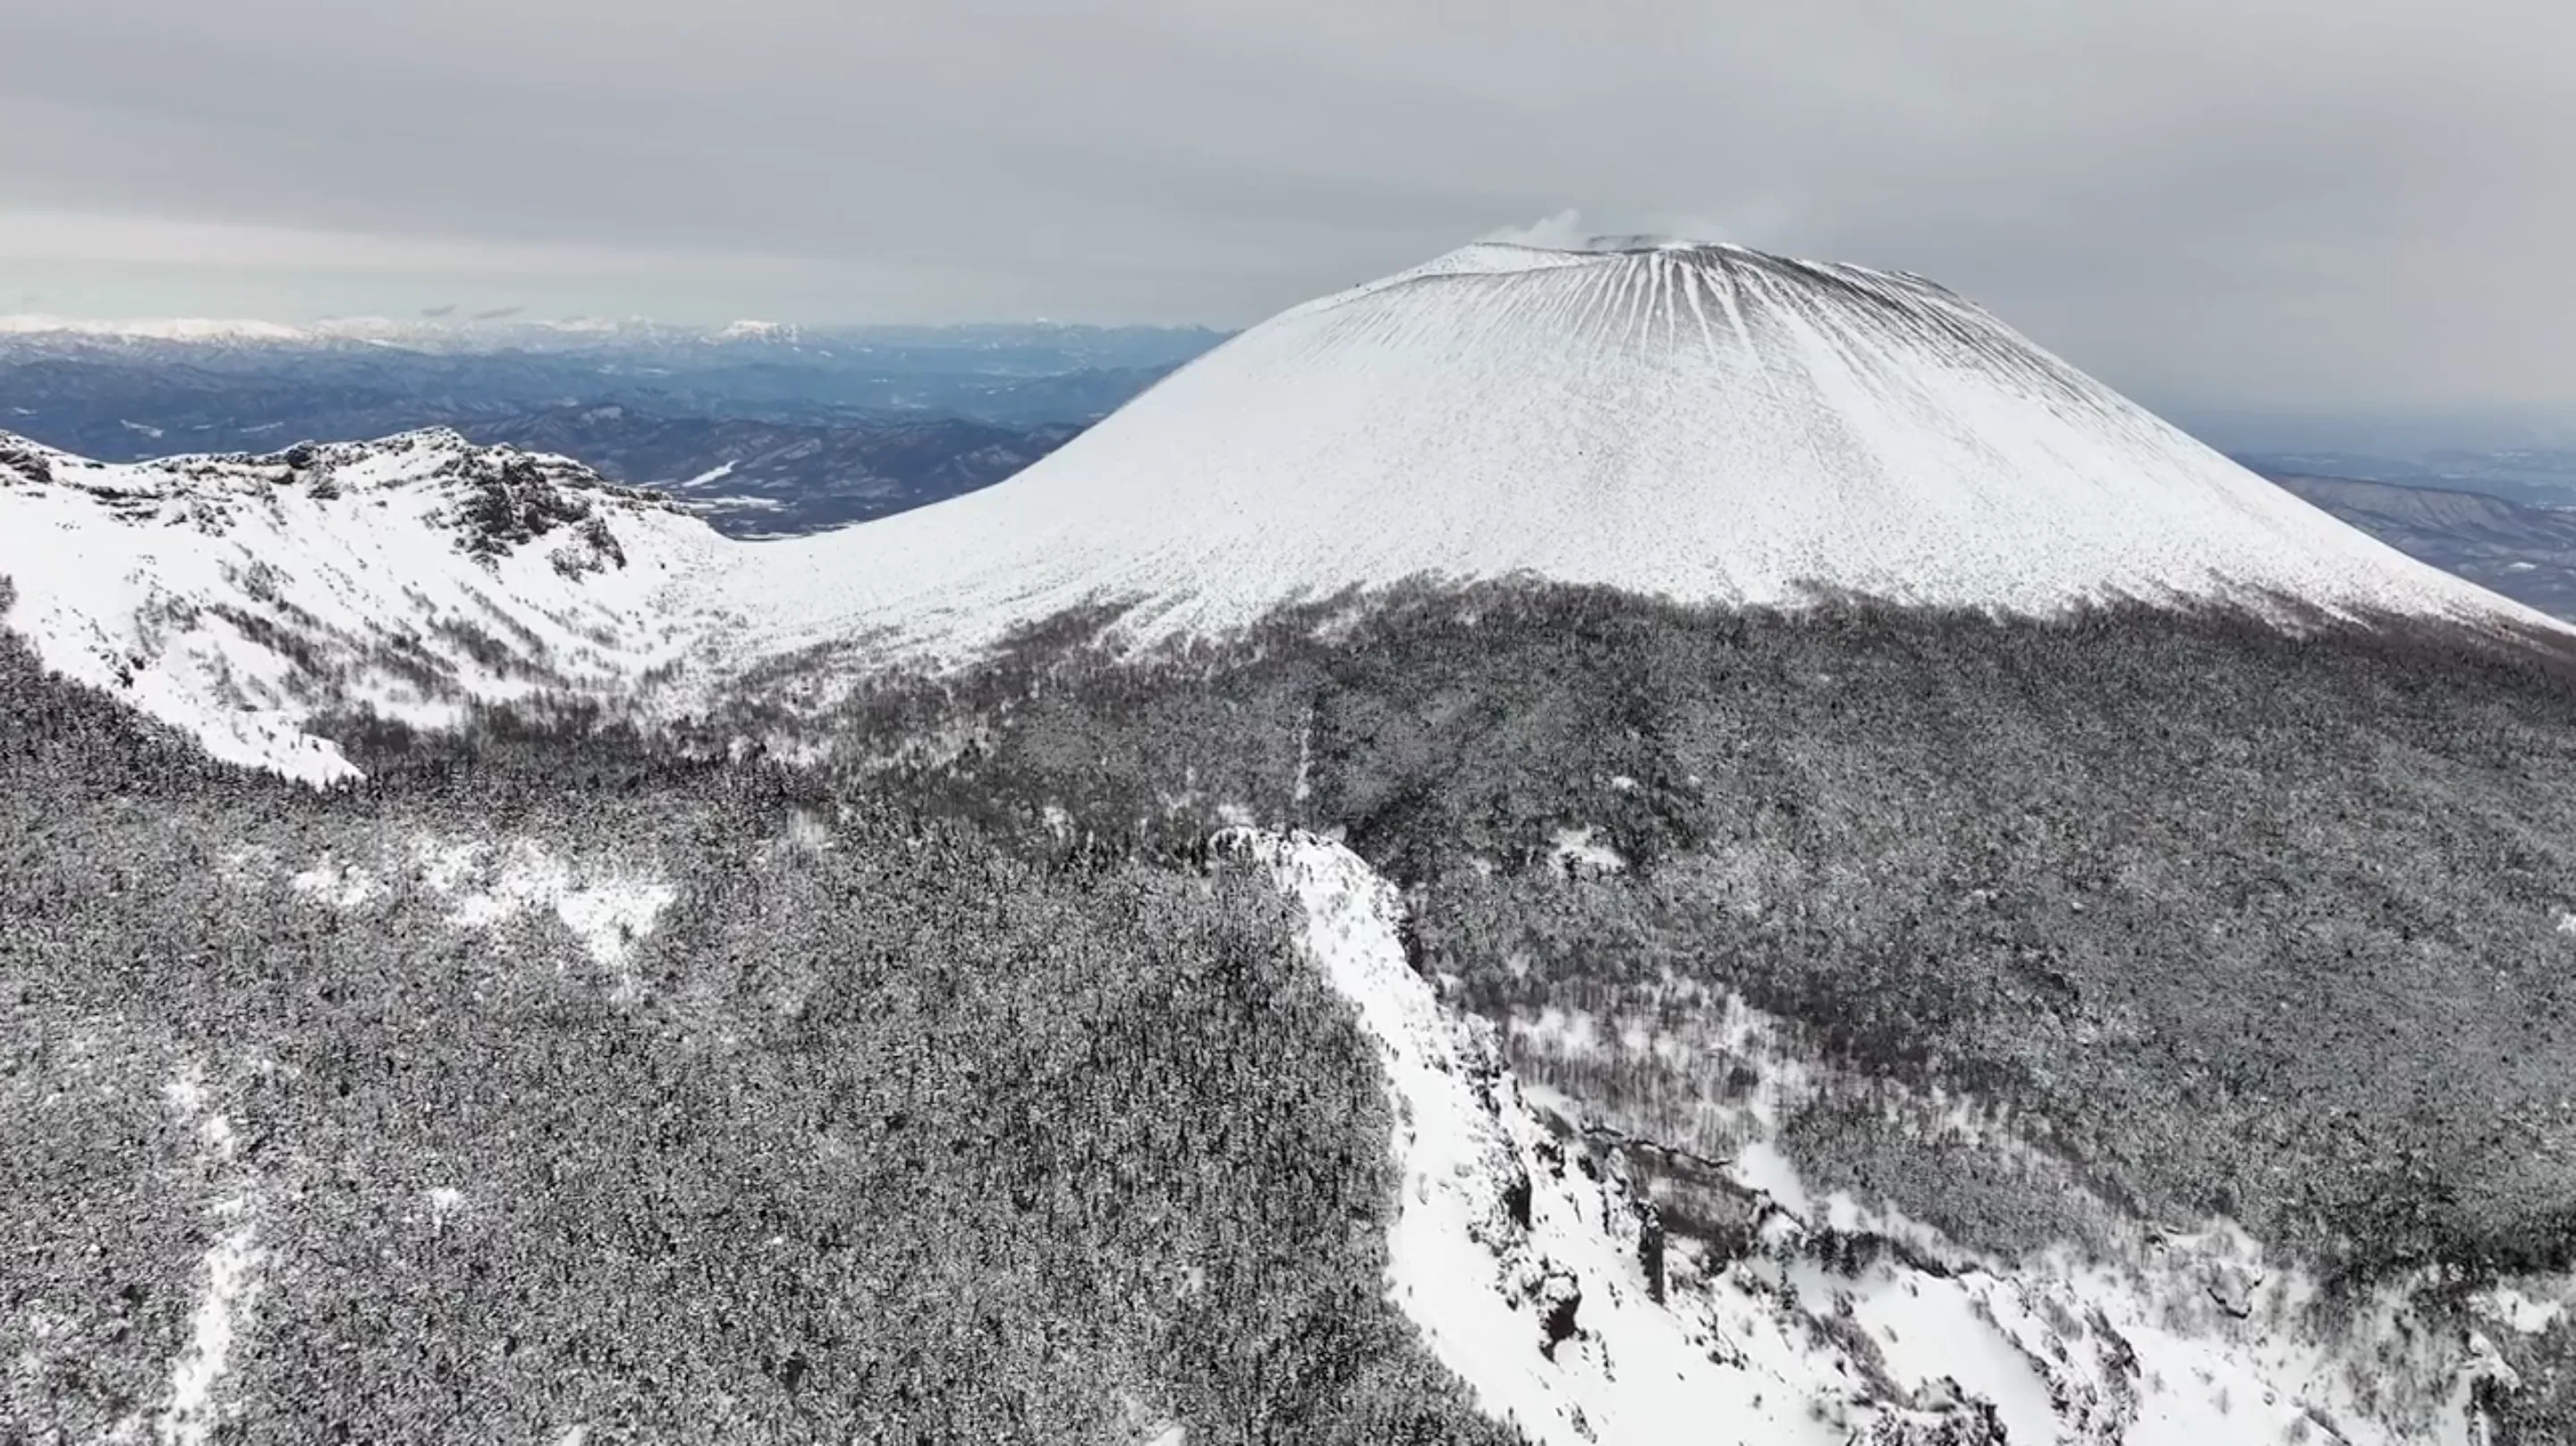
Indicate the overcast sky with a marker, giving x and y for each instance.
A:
(2265, 203)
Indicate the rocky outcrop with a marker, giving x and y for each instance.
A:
(2232, 1286)
(1940, 1413)
(1556, 1294)
(508, 499)
(22, 461)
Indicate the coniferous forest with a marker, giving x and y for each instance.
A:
(897, 1135)
(955, 1069)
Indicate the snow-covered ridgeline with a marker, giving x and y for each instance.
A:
(422, 333)
(1539, 1268)
(235, 597)
(174, 329)
(1701, 423)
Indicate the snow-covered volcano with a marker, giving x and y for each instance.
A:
(1701, 422)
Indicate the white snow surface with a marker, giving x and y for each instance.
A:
(1929, 1343)
(1700, 422)
(193, 1412)
(1582, 851)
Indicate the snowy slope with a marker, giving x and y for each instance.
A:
(1535, 1261)
(237, 596)
(1697, 421)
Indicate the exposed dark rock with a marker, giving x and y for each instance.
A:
(1516, 1196)
(23, 460)
(2232, 1287)
(1558, 1295)
(1551, 1153)
(513, 503)
(1410, 936)
(1650, 1247)
(1941, 1413)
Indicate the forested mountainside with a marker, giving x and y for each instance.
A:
(567, 1022)
(2226, 920)
(590, 1093)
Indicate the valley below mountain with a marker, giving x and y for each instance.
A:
(1620, 845)
(124, 394)
(2521, 550)
(755, 479)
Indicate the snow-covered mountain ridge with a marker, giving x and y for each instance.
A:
(1699, 423)
(1592, 1287)
(238, 331)
(238, 596)
(504, 331)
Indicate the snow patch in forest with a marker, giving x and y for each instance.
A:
(231, 1269)
(608, 911)
(1582, 852)
(341, 886)
(193, 1415)
(607, 908)
(2524, 1314)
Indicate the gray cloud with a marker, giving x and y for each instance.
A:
(2295, 203)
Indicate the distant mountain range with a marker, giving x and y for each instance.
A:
(200, 387)
(1027, 347)
(2525, 551)
(2545, 476)
(748, 476)
(766, 430)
